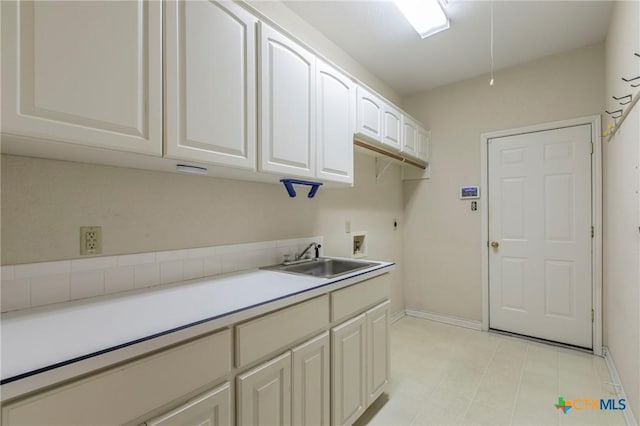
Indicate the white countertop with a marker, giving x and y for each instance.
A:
(39, 340)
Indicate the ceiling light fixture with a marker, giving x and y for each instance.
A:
(426, 16)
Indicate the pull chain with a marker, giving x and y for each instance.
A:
(492, 62)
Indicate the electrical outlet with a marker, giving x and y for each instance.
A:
(90, 240)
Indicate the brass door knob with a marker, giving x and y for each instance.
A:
(495, 244)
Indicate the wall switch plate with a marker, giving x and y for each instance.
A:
(90, 240)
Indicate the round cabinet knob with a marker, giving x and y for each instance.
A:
(495, 244)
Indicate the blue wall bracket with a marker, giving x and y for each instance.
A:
(288, 184)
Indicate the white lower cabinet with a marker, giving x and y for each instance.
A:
(264, 394)
(213, 409)
(328, 379)
(310, 377)
(378, 366)
(349, 396)
(360, 363)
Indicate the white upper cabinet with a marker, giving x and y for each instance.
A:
(369, 115)
(424, 144)
(87, 73)
(335, 116)
(210, 90)
(391, 127)
(409, 136)
(287, 105)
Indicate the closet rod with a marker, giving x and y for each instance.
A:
(634, 101)
(389, 154)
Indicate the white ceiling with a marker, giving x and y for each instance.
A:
(375, 34)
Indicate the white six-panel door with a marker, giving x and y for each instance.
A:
(88, 73)
(210, 89)
(540, 281)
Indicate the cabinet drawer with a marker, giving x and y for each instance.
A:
(267, 334)
(358, 297)
(126, 392)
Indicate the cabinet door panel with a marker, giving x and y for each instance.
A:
(369, 121)
(210, 83)
(424, 144)
(349, 399)
(86, 72)
(392, 128)
(287, 76)
(264, 394)
(409, 137)
(378, 366)
(211, 409)
(310, 390)
(335, 111)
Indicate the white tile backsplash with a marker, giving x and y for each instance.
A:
(193, 268)
(171, 272)
(93, 263)
(118, 279)
(136, 259)
(146, 275)
(212, 266)
(202, 252)
(42, 269)
(16, 294)
(6, 272)
(166, 256)
(50, 289)
(87, 284)
(36, 284)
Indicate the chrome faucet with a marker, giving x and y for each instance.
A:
(313, 244)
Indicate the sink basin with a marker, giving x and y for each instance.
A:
(322, 267)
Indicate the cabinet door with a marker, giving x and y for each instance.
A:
(424, 144)
(87, 73)
(378, 365)
(369, 115)
(210, 75)
(264, 394)
(287, 105)
(392, 127)
(311, 382)
(335, 114)
(409, 137)
(349, 396)
(213, 408)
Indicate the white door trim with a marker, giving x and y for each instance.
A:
(596, 214)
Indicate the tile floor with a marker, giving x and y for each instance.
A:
(448, 375)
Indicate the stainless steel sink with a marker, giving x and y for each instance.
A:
(322, 267)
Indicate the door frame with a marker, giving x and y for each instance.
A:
(596, 214)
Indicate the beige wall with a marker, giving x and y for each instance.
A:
(44, 202)
(442, 247)
(621, 261)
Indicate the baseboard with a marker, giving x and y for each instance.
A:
(397, 315)
(617, 384)
(474, 325)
